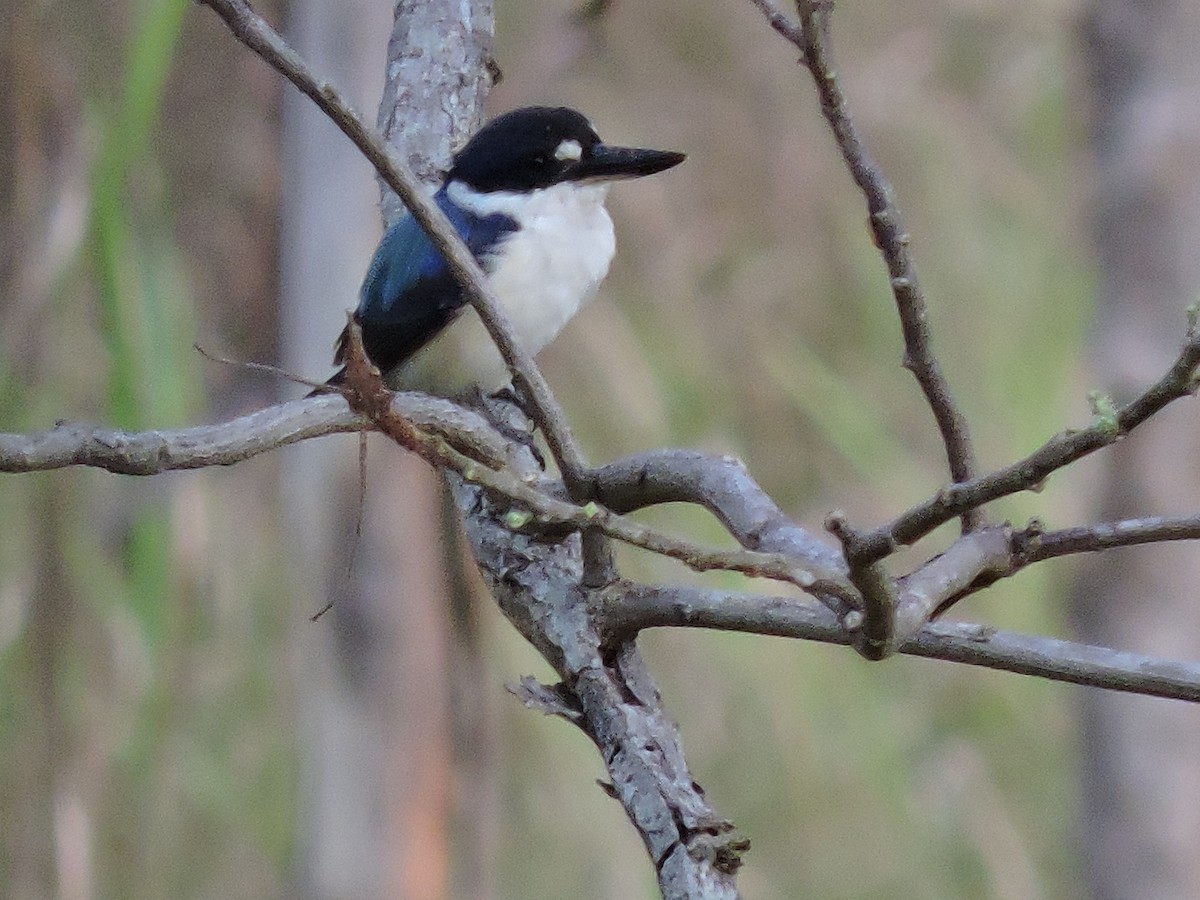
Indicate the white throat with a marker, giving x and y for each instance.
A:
(543, 273)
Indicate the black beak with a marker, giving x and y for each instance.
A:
(612, 163)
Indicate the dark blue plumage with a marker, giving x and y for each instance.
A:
(408, 295)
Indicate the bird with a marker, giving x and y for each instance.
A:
(526, 194)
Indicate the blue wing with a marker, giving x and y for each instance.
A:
(408, 295)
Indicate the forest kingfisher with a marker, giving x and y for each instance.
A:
(527, 196)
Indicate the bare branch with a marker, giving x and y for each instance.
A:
(1061, 450)
(253, 31)
(722, 485)
(781, 23)
(1036, 545)
(1058, 660)
(538, 586)
(155, 452)
(631, 607)
(877, 636)
(892, 240)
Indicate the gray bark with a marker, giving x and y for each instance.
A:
(438, 62)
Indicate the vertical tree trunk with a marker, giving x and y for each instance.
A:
(1141, 784)
(439, 59)
(376, 672)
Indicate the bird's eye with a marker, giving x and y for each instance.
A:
(539, 160)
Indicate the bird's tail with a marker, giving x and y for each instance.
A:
(339, 357)
(338, 377)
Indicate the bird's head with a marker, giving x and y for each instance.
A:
(540, 146)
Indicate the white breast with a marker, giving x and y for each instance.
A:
(544, 273)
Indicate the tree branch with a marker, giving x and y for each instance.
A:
(633, 607)
(781, 23)
(1061, 450)
(1034, 545)
(892, 240)
(723, 486)
(155, 452)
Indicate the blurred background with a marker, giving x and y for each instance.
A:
(171, 722)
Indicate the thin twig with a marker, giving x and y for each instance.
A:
(319, 387)
(876, 637)
(1035, 546)
(1061, 450)
(892, 240)
(781, 23)
(253, 31)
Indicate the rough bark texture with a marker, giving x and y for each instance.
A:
(1141, 785)
(608, 693)
(438, 64)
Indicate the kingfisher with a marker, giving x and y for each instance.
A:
(526, 194)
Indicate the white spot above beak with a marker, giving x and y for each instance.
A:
(568, 150)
